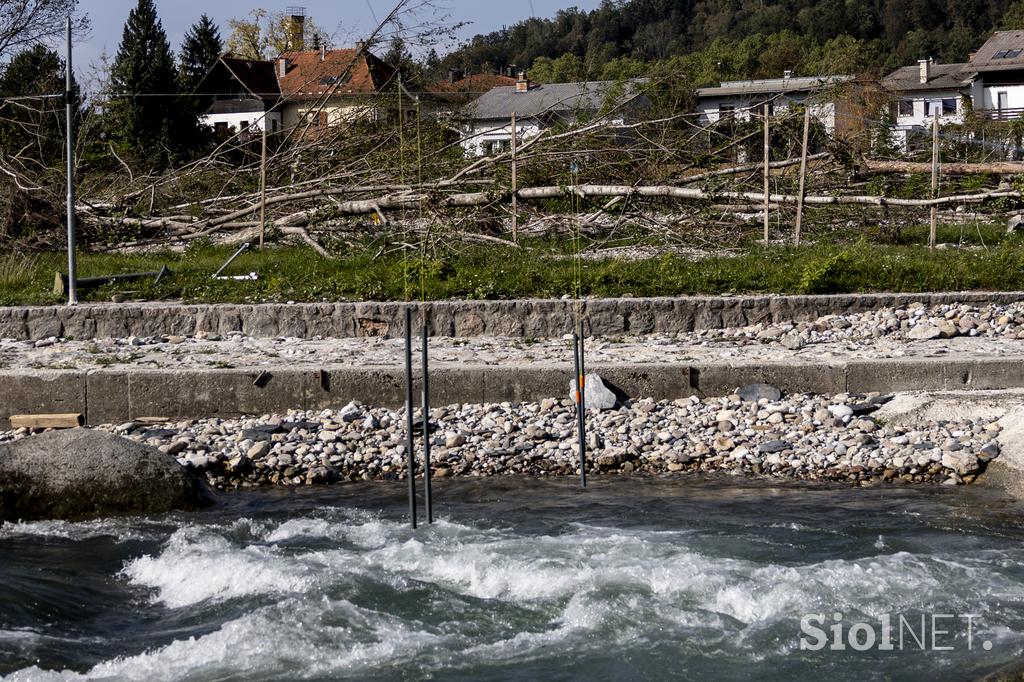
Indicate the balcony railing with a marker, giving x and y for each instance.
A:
(1000, 114)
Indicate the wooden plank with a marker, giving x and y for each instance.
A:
(803, 178)
(767, 172)
(47, 421)
(934, 223)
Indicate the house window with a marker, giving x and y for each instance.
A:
(948, 106)
(726, 110)
(273, 125)
(243, 126)
(906, 107)
(933, 107)
(220, 128)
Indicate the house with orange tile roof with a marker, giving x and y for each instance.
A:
(328, 87)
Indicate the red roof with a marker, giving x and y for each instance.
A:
(476, 84)
(309, 77)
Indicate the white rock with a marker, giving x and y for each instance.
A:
(595, 394)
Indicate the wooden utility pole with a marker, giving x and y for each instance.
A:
(933, 228)
(803, 177)
(767, 154)
(515, 181)
(263, 184)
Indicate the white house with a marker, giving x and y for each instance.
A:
(242, 94)
(488, 126)
(921, 92)
(741, 99)
(997, 72)
(990, 84)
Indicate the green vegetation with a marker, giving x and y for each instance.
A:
(725, 40)
(543, 269)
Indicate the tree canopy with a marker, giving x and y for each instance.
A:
(265, 35)
(200, 50)
(742, 38)
(26, 23)
(143, 114)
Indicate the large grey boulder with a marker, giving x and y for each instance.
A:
(80, 473)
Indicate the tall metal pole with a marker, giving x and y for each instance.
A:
(426, 426)
(933, 227)
(581, 424)
(767, 154)
(803, 176)
(410, 457)
(69, 102)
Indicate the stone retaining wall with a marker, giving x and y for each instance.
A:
(518, 318)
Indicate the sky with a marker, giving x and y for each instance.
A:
(347, 20)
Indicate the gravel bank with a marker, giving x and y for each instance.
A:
(817, 438)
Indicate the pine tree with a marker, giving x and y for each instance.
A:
(145, 114)
(199, 52)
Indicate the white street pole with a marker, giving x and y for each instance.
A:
(70, 154)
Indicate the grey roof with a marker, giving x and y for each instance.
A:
(552, 98)
(942, 77)
(773, 85)
(1003, 51)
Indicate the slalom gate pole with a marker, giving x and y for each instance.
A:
(577, 349)
(410, 456)
(426, 426)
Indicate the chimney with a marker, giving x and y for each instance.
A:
(522, 82)
(924, 67)
(323, 52)
(296, 28)
(282, 66)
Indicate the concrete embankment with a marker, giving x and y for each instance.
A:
(492, 352)
(117, 394)
(517, 318)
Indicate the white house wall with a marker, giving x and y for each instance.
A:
(990, 96)
(481, 134)
(920, 115)
(744, 106)
(253, 120)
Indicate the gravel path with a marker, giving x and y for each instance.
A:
(914, 331)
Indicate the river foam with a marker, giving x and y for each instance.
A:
(336, 593)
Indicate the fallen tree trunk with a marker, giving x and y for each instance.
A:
(410, 201)
(990, 168)
(750, 167)
(472, 199)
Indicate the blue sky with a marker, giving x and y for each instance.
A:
(347, 20)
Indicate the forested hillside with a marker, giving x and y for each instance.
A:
(714, 39)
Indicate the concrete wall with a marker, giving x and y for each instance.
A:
(517, 318)
(114, 395)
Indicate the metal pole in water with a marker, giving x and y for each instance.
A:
(580, 417)
(69, 104)
(426, 427)
(410, 457)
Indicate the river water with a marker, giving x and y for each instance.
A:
(636, 578)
